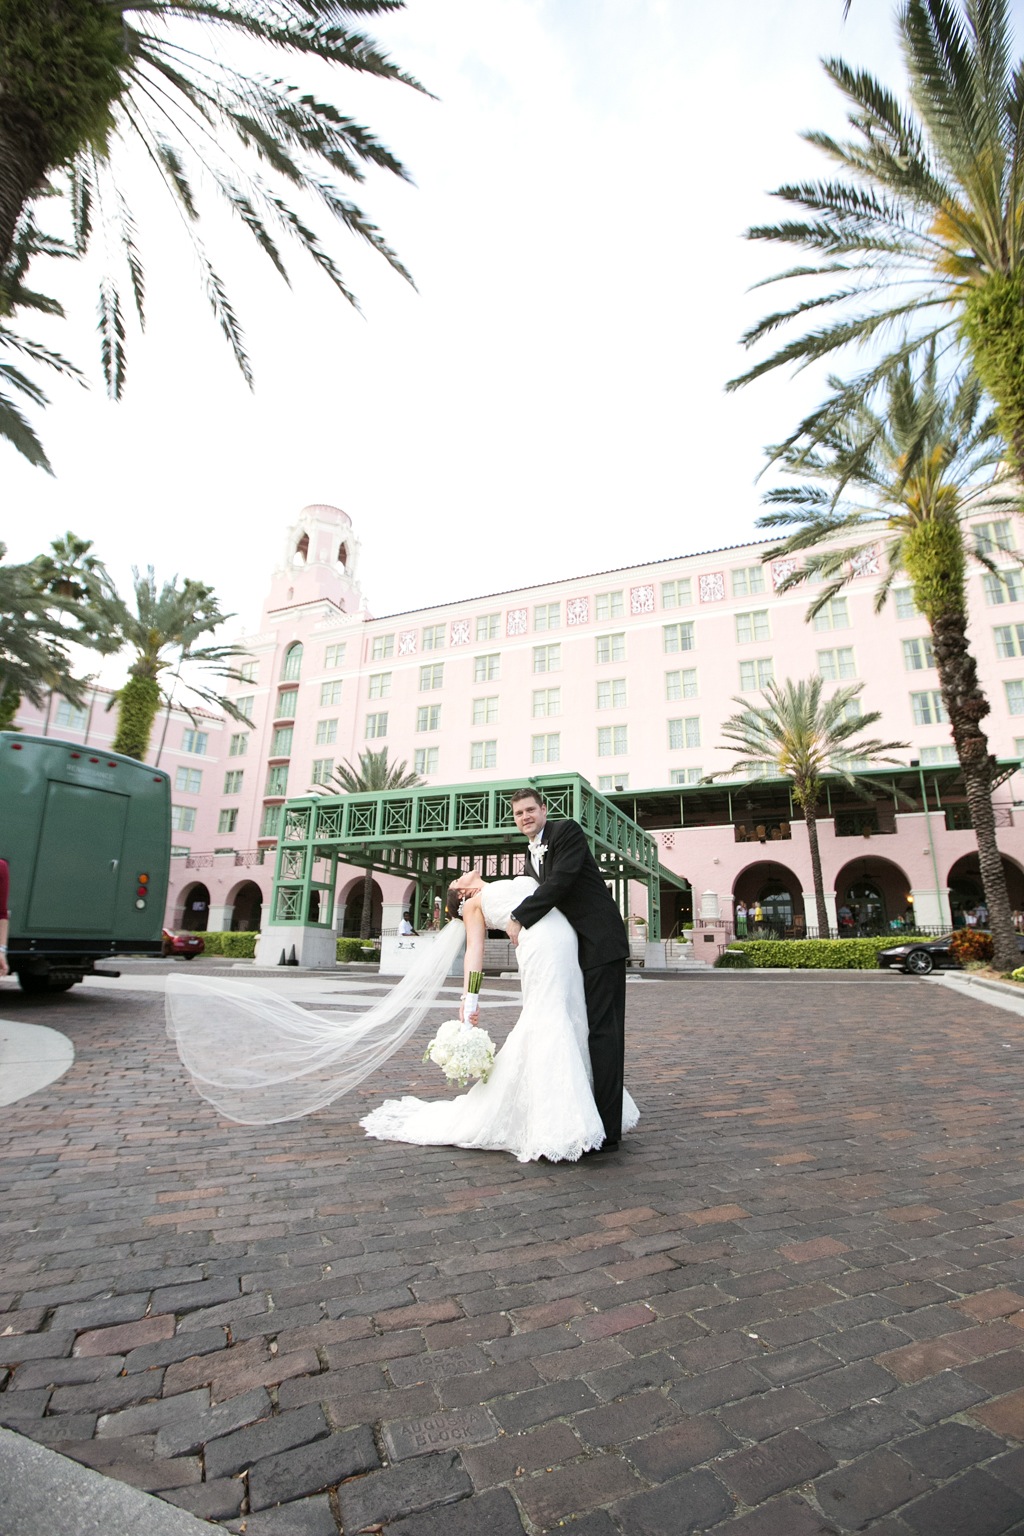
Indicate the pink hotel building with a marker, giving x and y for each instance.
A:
(623, 677)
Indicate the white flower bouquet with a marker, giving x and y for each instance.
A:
(462, 1052)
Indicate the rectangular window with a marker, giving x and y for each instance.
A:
(927, 708)
(244, 706)
(834, 615)
(488, 626)
(685, 732)
(748, 580)
(248, 671)
(377, 725)
(239, 745)
(852, 709)
(281, 741)
(1015, 697)
(752, 626)
(227, 821)
(837, 665)
(681, 684)
(612, 741)
(608, 783)
(678, 637)
(918, 655)
(179, 853)
(485, 711)
(547, 658)
(326, 733)
(233, 782)
(612, 694)
(334, 656)
(547, 616)
(756, 674)
(906, 608)
(270, 821)
(379, 685)
(424, 760)
(1009, 640)
(194, 741)
(994, 538)
(684, 776)
(183, 818)
(432, 676)
(1005, 586)
(486, 668)
(483, 754)
(188, 781)
(428, 717)
(677, 594)
(70, 716)
(382, 647)
(610, 648)
(433, 637)
(930, 756)
(287, 700)
(277, 780)
(323, 767)
(546, 701)
(330, 694)
(546, 749)
(608, 605)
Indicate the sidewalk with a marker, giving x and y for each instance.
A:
(792, 1304)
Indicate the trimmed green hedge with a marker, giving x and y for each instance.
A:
(233, 946)
(813, 954)
(352, 949)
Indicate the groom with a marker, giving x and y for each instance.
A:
(571, 881)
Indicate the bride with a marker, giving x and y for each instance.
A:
(538, 1100)
(261, 1059)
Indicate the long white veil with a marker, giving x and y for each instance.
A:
(259, 1058)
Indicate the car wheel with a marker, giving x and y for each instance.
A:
(920, 962)
(193, 956)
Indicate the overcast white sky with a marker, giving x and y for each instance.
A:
(551, 400)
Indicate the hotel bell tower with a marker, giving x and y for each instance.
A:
(318, 563)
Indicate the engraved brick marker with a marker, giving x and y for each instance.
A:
(438, 1432)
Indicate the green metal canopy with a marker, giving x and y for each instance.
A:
(431, 834)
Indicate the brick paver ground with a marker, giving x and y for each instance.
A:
(792, 1304)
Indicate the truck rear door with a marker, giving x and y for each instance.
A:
(78, 866)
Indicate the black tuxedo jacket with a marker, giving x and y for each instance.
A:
(571, 881)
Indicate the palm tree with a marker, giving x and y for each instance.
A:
(798, 734)
(82, 81)
(375, 773)
(920, 238)
(171, 619)
(926, 460)
(35, 646)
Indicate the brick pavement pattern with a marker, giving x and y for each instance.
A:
(791, 1305)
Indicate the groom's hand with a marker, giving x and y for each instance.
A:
(513, 930)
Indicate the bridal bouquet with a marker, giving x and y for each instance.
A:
(462, 1052)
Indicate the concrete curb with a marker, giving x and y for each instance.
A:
(999, 993)
(44, 1492)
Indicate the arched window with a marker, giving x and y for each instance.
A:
(343, 556)
(301, 550)
(292, 663)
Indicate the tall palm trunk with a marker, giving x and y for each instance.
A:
(811, 822)
(137, 705)
(936, 564)
(366, 922)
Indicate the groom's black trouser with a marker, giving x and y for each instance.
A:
(604, 988)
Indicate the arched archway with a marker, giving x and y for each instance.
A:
(301, 550)
(777, 891)
(966, 890)
(195, 908)
(871, 896)
(351, 905)
(246, 903)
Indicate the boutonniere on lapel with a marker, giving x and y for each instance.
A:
(540, 852)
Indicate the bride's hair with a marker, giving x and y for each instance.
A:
(454, 903)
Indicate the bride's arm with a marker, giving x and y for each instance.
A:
(476, 933)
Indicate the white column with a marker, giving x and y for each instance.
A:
(220, 919)
(811, 909)
(931, 907)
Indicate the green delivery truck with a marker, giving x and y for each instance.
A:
(87, 836)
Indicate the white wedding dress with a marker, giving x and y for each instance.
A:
(538, 1100)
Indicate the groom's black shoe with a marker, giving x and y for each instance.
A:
(606, 1146)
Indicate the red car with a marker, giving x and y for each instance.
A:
(187, 945)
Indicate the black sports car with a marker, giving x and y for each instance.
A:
(922, 956)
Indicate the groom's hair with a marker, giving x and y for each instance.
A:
(526, 794)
